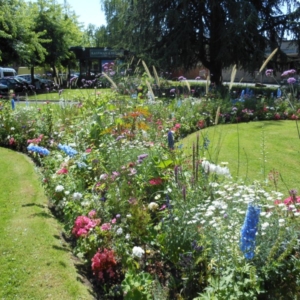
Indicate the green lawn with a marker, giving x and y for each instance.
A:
(35, 261)
(68, 94)
(254, 149)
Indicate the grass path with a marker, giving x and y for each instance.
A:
(35, 263)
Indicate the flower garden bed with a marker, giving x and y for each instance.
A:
(148, 222)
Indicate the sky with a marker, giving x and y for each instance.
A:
(88, 11)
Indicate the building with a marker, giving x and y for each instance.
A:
(91, 60)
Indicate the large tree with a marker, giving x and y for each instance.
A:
(96, 37)
(18, 40)
(217, 33)
(62, 31)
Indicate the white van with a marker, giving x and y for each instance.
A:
(7, 72)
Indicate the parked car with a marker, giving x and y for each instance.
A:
(12, 84)
(3, 90)
(39, 81)
(5, 72)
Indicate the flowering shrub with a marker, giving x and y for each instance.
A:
(83, 225)
(104, 263)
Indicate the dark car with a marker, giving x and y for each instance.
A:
(39, 81)
(3, 90)
(12, 84)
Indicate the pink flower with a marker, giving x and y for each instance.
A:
(92, 214)
(269, 72)
(132, 171)
(163, 207)
(290, 200)
(89, 150)
(11, 141)
(156, 181)
(113, 221)
(62, 171)
(82, 226)
(106, 226)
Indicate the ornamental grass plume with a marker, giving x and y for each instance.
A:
(248, 231)
(150, 89)
(267, 60)
(232, 77)
(156, 77)
(146, 69)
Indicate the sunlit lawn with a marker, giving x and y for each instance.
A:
(67, 94)
(253, 150)
(35, 261)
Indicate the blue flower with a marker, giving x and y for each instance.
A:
(278, 93)
(38, 149)
(67, 149)
(248, 231)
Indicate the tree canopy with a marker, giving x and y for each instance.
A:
(37, 33)
(18, 40)
(218, 33)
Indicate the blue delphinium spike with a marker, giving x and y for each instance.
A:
(248, 231)
(68, 150)
(38, 149)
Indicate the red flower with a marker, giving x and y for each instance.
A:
(62, 171)
(277, 116)
(104, 262)
(11, 141)
(156, 181)
(201, 124)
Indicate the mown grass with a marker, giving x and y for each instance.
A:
(66, 94)
(255, 150)
(35, 261)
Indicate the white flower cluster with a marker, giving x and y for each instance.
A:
(59, 188)
(153, 206)
(212, 168)
(137, 252)
(119, 231)
(77, 196)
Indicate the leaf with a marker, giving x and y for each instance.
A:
(165, 163)
(137, 265)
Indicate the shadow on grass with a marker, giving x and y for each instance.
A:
(65, 249)
(42, 215)
(62, 264)
(34, 204)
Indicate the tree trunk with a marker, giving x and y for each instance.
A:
(216, 74)
(32, 75)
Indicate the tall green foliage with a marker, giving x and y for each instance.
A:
(18, 41)
(61, 29)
